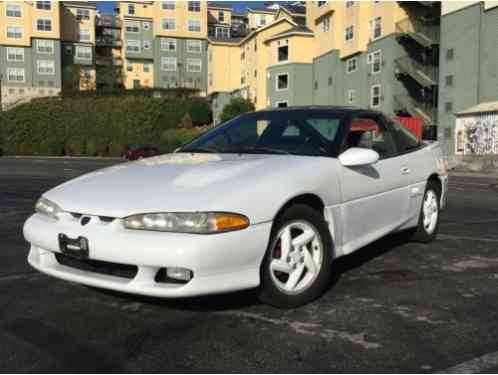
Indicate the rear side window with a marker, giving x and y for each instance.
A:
(365, 132)
(405, 138)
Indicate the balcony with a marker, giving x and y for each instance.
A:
(108, 61)
(424, 74)
(424, 33)
(409, 104)
(109, 21)
(108, 41)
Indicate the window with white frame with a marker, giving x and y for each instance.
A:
(376, 28)
(283, 53)
(14, 32)
(83, 52)
(194, 65)
(262, 20)
(132, 27)
(46, 47)
(129, 66)
(349, 33)
(351, 96)
(221, 16)
(168, 5)
(16, 75)
(131, 8)
(146, 44)
(326, 24)
(13, 10)
(194, 25)
(194, 46)
(44, 25)
(146, 68)
(44, 5)
(168, 23)
(222, 32)
(146, 25)
(168, 44)
(168, 64)
(46, 67)
(376, 61)
(133, 46)
(349, 4)
(282, 81)
(375, 96)
(194, 6)
(15, 54)
(82, 14)
(352, 65)
(84, 35)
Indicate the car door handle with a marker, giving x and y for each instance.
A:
(405, 170)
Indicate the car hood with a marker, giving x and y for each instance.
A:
(174, 183)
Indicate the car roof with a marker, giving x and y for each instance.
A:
(342, 110)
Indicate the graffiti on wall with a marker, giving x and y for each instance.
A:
(479, 136)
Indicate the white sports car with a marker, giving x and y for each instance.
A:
(266, 200)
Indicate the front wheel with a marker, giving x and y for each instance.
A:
(297, 265)
(428, 223)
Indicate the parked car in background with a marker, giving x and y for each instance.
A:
(135, 152)
(267, 200)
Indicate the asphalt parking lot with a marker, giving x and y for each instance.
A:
(396, 306)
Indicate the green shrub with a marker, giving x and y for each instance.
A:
(115, 149)
(75, 147)
(236, 107)
(171, 139)
(91, 147)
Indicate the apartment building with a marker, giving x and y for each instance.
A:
(108, 51)
(30, 47)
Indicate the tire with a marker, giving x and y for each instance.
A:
(313, 260)
(424, 233)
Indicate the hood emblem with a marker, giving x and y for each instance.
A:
(85, 220)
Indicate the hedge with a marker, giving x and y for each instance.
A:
(99, 126)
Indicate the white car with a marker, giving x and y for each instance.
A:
(266, 200)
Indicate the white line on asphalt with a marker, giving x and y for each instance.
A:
(467, 183)
(443, 236)
(19, 276)
(474, 366)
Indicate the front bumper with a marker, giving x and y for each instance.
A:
(220, 262)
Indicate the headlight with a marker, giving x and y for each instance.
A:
(198, 222)
(46, 207)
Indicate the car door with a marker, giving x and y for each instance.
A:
(374, 197)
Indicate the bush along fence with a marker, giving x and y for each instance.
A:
(101, 126)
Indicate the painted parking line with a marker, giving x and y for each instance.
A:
(468, 238)
(474, 366)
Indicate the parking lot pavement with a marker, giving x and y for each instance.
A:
(395, 306)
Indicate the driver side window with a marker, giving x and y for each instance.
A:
(366, 132)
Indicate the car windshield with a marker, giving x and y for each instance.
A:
(311, 133)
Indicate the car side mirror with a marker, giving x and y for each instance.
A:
(356, 156)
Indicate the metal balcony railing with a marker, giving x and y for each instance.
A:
(109, 21)
(425, 74)
(108, 41)
(424, 33)
(414, 107)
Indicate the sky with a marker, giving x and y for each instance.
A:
(238, 6)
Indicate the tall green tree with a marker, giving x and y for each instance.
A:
(236, 107)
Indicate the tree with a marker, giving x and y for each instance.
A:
(237, 106)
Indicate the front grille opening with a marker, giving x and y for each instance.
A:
(162, 277)
(97, 266)
(106, 219)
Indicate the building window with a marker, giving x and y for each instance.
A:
(146, 25)
(87, 73)
(320, 3)
(194, 6)
(44, 25)
(449, 54)
(82, 14)
(194, 46)
(351, 96)
(222, 32)
(131, 8)
(44, 5)
(168, 44)
(262, 20)
(129, 67)
(146, 44)
(376, 28)
(194, 65)
(14, 32)
(194, 25)
(168, 5)
(449, 81)
(133, 46)
(376, 62)
(283, 104)
(283, 53)
(45, 47)
(168, 23)
(46, 67)
(221, 16)
(146, 68)
(375, 96)
(83, 52)
(168, 64)
(448, 107)
(349, 33)
(326, 24)
(349, 4)
(84, 35)
(14, 10)
(15, 75)
(68, 49)
(352, 65)
(15, 54)
(132, 27)
(282, 81)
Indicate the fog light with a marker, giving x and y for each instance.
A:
(179, 273)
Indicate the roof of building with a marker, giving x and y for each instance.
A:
(83, 4)
(480, 108)
(212, 4)
(294, 9)
(296, 30)
(222, 40)
(258, 9)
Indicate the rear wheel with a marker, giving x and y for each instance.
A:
(297, 266)
(428, 223)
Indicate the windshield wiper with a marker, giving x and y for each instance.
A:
(257, 150)
(198, 150)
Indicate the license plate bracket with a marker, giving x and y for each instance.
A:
(74, 247)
